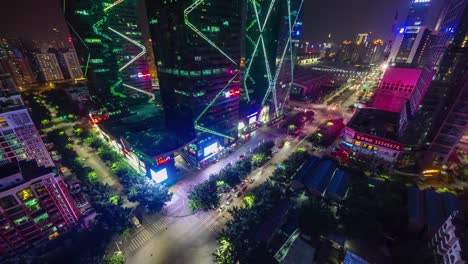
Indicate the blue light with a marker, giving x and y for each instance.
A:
(402, 30)
(298, 33)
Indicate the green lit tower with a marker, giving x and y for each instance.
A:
(272, 27)
(197, 47)
(109, 43)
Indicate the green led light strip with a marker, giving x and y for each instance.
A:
(112, 5)
(114, 92)
(187, 11)
(152, 96)
(204, 129)
(143, 49)
(86, 46)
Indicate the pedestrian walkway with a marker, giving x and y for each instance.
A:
(148, 232)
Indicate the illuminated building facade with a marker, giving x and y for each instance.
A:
(110, 47)
(400, 84)
(271, 29)
(447, 24)
(452, 77)
(72, 65)
(409, 37)
(35, 207)
(49, 67)
(197, 49)
(19, 138)
(371, 137)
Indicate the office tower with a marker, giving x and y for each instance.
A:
(197, 48)
(20, 70)
(409, 37)
(35, 207)
(362, 38)
(423, 52)
(449, 242)
(109, 43)
(401, 84)
(72, 65)
(451, 121)
(376, 51)
(270, 29)
(445, 29)
(49, 67)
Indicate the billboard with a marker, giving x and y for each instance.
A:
(213, 148)
(159, 176)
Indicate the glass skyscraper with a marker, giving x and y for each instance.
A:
(270, 30)
(197, 47)
(109, 43)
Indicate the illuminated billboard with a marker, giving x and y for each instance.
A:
(159, 176)
(213, 148)
(252, 119)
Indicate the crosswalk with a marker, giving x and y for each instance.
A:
(212, 221)
(148, 232)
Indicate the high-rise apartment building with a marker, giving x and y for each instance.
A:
(409, 37)
(108, 41)
(49, 67)
(270, 29)
(35, 207)
(197, 48)
(73, 65)
(400, 84)
(19, 138)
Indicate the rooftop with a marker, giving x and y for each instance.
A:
(376, 122)
(144, 128)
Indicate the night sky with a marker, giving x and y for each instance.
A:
(342, 18)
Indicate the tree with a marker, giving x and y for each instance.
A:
(203, 196)
(92, 177)
(151, 195)
(115, 259)
(315, 218)
(225, 253)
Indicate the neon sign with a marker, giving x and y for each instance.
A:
(144, 75)
(231, 93)
(161, 160)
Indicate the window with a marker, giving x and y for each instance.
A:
(25, 194)
(8, 202)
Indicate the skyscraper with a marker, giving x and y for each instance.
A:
(453, 78)
(49, 67)
(19, 138)
(447, 24)
(409, 37)
(109, 44)
(197, 48)
(73, 65)
(270, 30)
(35, 205)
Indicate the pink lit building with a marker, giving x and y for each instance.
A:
(400, 84)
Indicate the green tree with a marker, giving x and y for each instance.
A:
(203, 196)
(151, 195)
(115, 259)
(225, 253)
(92, 177)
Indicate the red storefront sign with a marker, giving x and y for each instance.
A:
(378, 141)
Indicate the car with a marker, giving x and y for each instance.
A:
(276, 151)
(313, 148)
(251, 179)
(228, 199)
(221, 208)
(238, 193)
(241, 156)
(233, 190)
